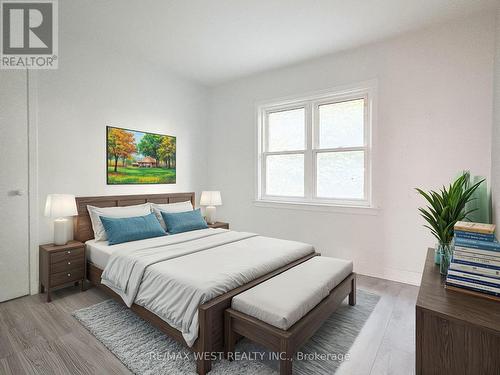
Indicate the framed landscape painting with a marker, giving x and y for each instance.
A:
(135, 157)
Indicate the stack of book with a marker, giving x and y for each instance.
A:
(475, 264)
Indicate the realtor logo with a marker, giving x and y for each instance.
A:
(29, 34)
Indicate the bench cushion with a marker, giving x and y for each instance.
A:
(283, 300)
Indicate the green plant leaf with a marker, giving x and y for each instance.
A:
(447, 206)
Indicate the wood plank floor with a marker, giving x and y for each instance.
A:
(43, 338)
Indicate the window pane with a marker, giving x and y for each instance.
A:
(286, 130)
(340, 175)
(285, 175)
(341, 124)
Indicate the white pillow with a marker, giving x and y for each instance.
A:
(170, 208)
(126, 211)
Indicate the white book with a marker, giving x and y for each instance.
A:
(474, 258)
(475, 269)
(474, 285)
(474, 277)
(494, 254)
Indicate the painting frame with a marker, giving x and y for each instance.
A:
(130, 166)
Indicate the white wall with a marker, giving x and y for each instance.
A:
(95, 87)
(495, 144)
(434, 119)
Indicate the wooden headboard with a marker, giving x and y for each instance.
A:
(82, 225)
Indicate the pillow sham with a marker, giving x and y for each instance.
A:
(171, 208)
(179, 222)
(126, 229)
(126, 211)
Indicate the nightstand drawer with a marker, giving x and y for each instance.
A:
(74, 274)
(67, 265)
(67, 255)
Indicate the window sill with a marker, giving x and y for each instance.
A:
(342, 209)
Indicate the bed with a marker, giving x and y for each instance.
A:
(185, 294)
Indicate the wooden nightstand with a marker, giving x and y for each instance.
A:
(62, 265)
(219, 224)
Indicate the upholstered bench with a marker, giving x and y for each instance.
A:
(283, 312)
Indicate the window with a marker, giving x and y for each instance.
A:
(316, 150)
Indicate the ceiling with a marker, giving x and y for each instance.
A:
(212, 41)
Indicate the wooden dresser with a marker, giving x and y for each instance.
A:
(456, 333)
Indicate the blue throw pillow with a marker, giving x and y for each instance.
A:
(179, 222)
(128, 229)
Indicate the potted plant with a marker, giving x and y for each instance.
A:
(444, 209)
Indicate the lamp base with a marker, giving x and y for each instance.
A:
(210, 214)
(60, 231)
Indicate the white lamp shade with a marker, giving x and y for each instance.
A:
(60, 205)
(210, 198)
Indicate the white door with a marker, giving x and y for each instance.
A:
(14, 224)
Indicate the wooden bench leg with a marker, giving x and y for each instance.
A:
(229, 337)
(286, 358)
(352, 294)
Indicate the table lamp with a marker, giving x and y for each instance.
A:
(210, 199)
(60, 206)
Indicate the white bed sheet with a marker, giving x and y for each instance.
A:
(99, 252)
(179, 273)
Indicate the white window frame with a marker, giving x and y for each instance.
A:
(311, 103)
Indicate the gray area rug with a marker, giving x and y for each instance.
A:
(146, 351)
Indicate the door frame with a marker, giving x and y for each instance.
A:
(33, 201)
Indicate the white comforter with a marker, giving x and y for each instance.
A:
(173, 275)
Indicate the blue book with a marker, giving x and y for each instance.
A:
(477, 288)
(475, 276)
(459, 261)
(482, 269)
(476, 258)
(471, 250)
(475, 236)
(477, 244)
(450, 278)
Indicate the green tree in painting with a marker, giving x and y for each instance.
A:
(149, 146)
(121, 144)
(166, 151)
(173, 156)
